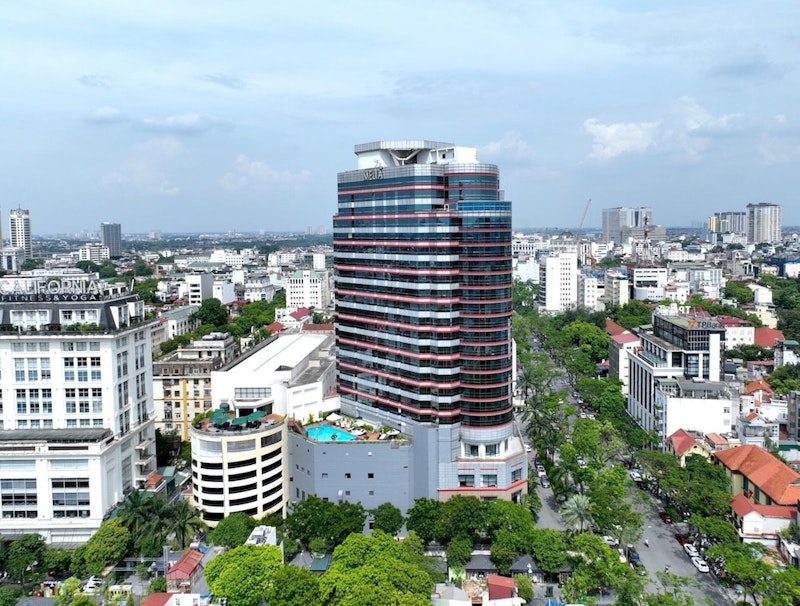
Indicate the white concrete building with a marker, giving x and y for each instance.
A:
(648, 283)
(697, 406)
(224, 291)
(786, 352)
(199, 287)
(590, 292)
(291, 374)
(558, 282)
(96, 253)
(308, 288)
(683, 347)
(77, 426)
(737, 331)
(617, 288)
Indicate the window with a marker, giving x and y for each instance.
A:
(491, 450)
(471, 450)
(347, 476)
(466, 480)
(19, 369)
(19, 498)
(70, 497)
(516, 475)
(70, 401)
(371, 476)
(489, 480)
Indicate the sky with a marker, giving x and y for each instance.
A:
(207, 116)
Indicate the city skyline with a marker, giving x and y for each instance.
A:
(170, 116)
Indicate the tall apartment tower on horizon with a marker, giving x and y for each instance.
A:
(111, 236)
(19, 227)
(734, 222)
(422, 260)
(763, 223)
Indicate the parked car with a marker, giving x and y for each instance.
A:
(700, 564)
(540, 470)
(633, 555)
(544, 482)
(635, 476)
(691, 550)
(665, 517)
(622, 557)
(528, 448)
(610, 541)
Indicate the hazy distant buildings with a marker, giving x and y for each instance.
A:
(763, 223)
(19, 224)
(617, 220)
(111, 236)
(729, 222)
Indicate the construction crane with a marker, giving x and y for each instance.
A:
(580, 227)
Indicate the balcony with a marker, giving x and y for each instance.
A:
(145, 443)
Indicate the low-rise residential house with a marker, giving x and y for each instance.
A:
(737, 331)
(763, 524)
(184, 575)
(786, 352)
(759, 476)
(684, 446)
(754, 428)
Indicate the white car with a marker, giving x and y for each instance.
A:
(691, 550)
(528, 448)
(700, 564)
(610, 541)
(635, 476)
(622, 557)
(541, 471)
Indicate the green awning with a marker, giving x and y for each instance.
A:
(239, 421)
(217, 415)
(255, 416)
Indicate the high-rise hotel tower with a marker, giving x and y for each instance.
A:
(422, 259)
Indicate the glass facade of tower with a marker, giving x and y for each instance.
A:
(422, 259)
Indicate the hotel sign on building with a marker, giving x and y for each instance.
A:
(21, 290)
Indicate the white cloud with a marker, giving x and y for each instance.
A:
(106, 115)
(184, 124)
(510, 146)
(612, 140)
(248, 172)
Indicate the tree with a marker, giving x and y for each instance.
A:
(24, 554)
(213, 312)
(743, 563)
(524, 587)
(184, 522)
(423, 518)
(576, 513)
(57, 560)
(374, 570)
(387, 518)
(291, 586)
(244, 574)
(232, 530)
(461, 517)
(314, 518)
(106, 546)
(459, 552)
(88, 266)
(9, 596)
(548, 548)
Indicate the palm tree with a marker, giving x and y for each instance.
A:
(576, 513)
(184, 522)
(135, 513)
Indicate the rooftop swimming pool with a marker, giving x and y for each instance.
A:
(328, 433)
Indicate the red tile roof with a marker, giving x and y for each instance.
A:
(626, 337)
(716, 439)
(760, 385)
(156, 599)
(317, 327)
(774, 478)
(186, 566)
(681, 441)
(742, 506)
(302, 312)
(733, 321)
(612, 328)
(765, 337)
(275, 327)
